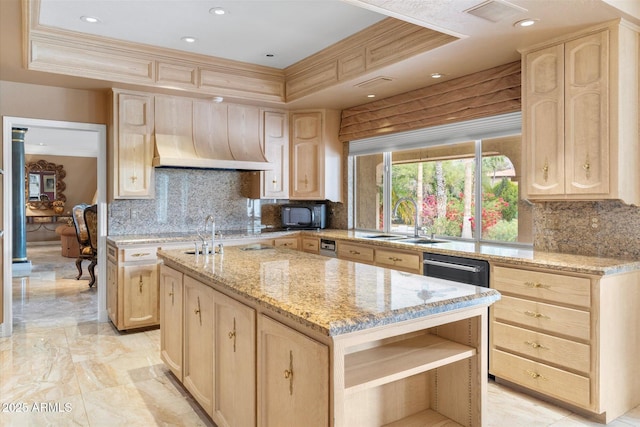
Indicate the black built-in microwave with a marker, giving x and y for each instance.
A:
(304, 216)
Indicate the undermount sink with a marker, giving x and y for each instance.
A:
(423, 241)
(385, 237)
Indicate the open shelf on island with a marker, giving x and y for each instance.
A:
(427, 417)
(400, 359)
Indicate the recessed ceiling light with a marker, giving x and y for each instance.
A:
(217, 99)
(188, 39)
(217, 11)
(371, 95)
(525, 22)
(436, 75)
(90, 19)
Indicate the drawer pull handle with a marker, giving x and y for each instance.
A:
(536, 345)
(536, 315)
(232, 335)
(352, 252)
(141, 254)
(536, 376)
(536, 285)
(395, 259)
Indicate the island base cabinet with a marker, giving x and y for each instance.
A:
(293, 377)
(171, 319)
(235, 363)
(198, 342)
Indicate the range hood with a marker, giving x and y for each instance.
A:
(198, 133)
(194, 152)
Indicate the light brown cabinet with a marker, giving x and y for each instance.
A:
(310, 244)
(234, 363)
(131, 150)
(132, 287)
(355, 252)
(316, 156)
(286, 242)
(171, 316)
(564, 335)
(580, 116)
(273, 184)
(293, 377)
(198, 342)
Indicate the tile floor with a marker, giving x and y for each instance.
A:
(62, 368)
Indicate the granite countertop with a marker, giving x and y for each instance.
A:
(517, 256)
(328, 295)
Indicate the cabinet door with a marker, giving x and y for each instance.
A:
(140, 295)
(234, 363)
(198, 342)
(112, 290)
(587, 114)
(171, 319)
(286, 242)
(543, 121)
(275, 183)
(310, 244)
(134, 147)
(293, 378)
(307, 156)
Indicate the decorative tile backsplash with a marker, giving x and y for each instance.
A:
(184, 198)
(603, 228)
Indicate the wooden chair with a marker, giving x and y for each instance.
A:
(91, 221)
(77, 213)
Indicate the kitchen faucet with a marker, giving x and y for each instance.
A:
(213, 230)
(415, 205)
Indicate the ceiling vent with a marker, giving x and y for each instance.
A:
(495, 11)
(374, 82)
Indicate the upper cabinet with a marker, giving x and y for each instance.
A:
(580, 116)
(132, 146)
(273, 184)
(316, 156)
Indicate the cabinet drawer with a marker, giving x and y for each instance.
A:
(286, 242)
(547, 286)
(400, 260)
(139, 254)
(355, 252)
(545, 317)
(541, 378)
(311, 245)
(546, 348)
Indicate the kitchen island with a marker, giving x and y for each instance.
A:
(267, 336)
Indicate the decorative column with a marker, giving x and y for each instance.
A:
(18, 202)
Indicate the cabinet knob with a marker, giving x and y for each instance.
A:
(536, 345)
(536, 315)
(536, 375)
(536, 285)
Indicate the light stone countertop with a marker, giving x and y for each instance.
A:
(328, 295)
(517, 256)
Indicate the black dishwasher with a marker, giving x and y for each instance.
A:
(456, 269)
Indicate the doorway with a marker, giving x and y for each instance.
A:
(100, 133)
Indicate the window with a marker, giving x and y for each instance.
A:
(444, 182)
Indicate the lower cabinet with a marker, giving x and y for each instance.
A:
(171, 319)
(132, 287)
(234, 363)
(566, 336)
(198, 342)
(208, 340)
(293, 377)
